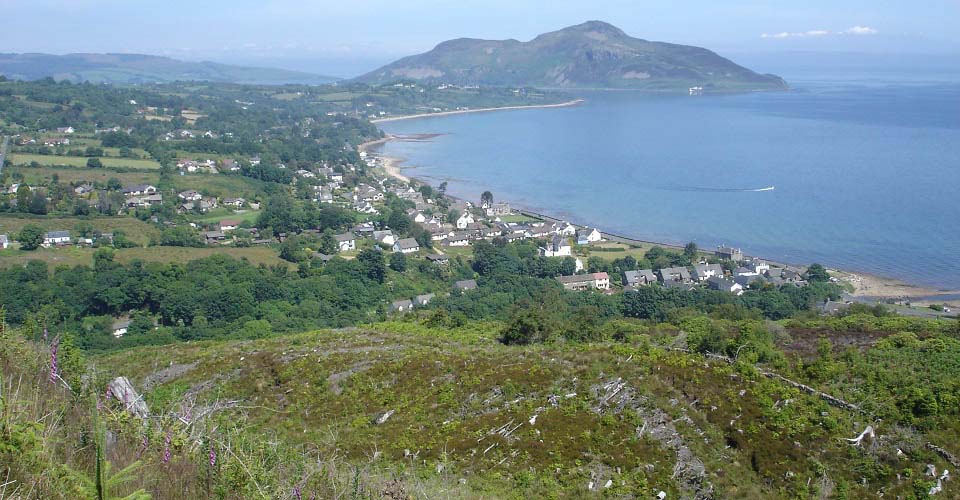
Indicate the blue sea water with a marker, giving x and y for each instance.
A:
(866, 169)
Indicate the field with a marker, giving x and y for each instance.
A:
(219, 184)
(74, 256)
(135, 229)
(81, 161)
(221, 214)
(68, 175)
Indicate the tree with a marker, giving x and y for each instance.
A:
(30, 237)
(328, 244)
(486, 199)
(816, 273)
(398, 262)
(94, 163)
(38, 203)
(84, 229)
(23, 198)
(291, 249)
(373, 265)
(113, 184)
(690, 251)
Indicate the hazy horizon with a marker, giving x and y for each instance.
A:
(289, 35)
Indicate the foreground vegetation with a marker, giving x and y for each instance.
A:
(423, 409)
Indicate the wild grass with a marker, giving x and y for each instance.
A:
(81, 161)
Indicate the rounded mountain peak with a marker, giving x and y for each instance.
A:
(595, 27)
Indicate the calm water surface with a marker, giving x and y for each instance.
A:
(866, 170)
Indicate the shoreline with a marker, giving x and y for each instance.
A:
(478, 110)
(865, 285)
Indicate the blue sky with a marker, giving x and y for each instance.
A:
(359, 34)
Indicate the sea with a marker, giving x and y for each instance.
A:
(857, 169)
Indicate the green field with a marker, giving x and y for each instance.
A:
(75, 256)
(81, 161)
(221, 214)
(68, 175)
(135, 229)
(219, 185)
(517, 218)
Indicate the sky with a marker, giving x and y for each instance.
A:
(345, 38)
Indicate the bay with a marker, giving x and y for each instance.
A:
(864, 170)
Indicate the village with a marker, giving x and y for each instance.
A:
(453, 225)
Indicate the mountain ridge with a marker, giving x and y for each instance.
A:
(142, 68)
(594, 54)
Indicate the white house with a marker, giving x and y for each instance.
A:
(385, 237)
(703, 272)
(139, 189)
(120, 327)
(345, 242)
(559, 247)
(595, 281)
(459, 239)
(416, 216)
(718, 283)
(406, 245)
(229, 225)
(465, 220)
(4, 242)
(588, 235)
(190, 195)
(56, 238)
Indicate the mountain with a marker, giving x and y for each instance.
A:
(139, 68)
(590, 55)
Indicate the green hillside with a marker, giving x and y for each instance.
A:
(589, 55)
(427, 410)
(138, 68)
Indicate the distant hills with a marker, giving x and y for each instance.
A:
(138, 68)
(590, 55)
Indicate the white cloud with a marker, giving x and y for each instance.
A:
(861, 30)
(800, 34)
(856, 30)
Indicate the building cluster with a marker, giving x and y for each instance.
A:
(748, 271)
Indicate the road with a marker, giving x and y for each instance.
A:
(3, 152)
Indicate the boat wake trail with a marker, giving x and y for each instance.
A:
(703, 189)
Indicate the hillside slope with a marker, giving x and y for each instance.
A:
(590, 55)
(138, 68)
(466, 417)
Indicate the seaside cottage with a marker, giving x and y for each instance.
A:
(724, 285)
(702, 272)
(578, 282)
(729, 253)
(588, 235)
(639, 278)
(558, 247)
(675, 275)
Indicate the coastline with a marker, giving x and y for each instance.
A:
(478, 110)
(866, 287)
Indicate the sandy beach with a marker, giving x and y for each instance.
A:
(881, 288)
(479, 110)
